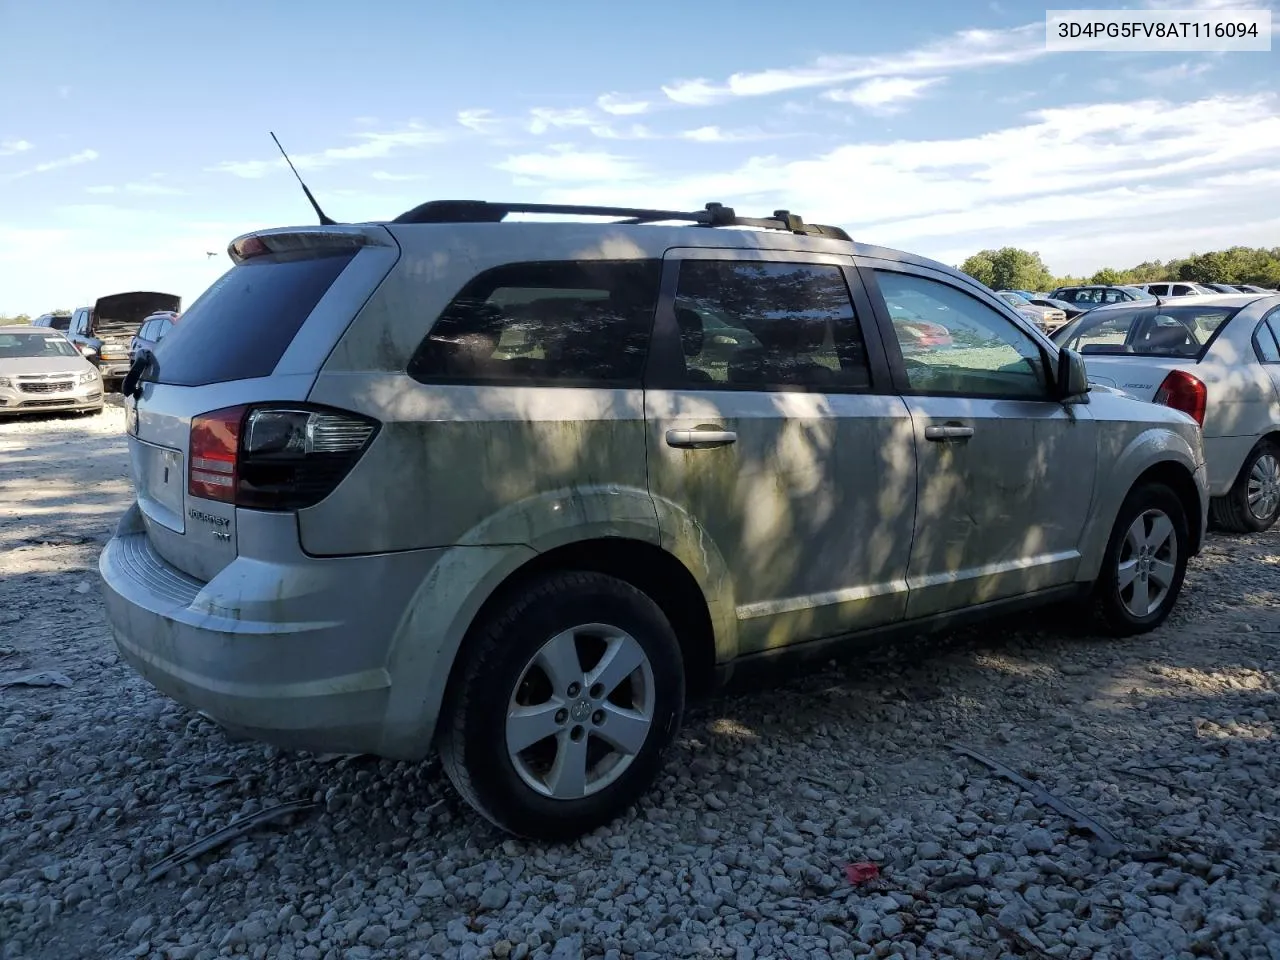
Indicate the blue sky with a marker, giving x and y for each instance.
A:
(133, 135)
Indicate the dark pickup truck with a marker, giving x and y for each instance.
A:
(103, 332)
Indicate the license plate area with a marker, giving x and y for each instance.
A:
(159, 479)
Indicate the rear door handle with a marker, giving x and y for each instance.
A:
(948, 432)
(700, 439)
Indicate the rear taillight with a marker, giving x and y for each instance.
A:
(1181, 391)
(274, 457)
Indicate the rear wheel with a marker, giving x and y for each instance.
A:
(1253, 502)
(559, 714)
(1145, 561)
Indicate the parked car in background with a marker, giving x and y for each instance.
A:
(42, 372)
(151, 332)
(1218, 360)
(363, 524)
(1047, 319)
(1070, 309)
(1095, 294)
(1253, 288)
(103, 332)
(1179, 289)
(53, 321)
(1212, 288)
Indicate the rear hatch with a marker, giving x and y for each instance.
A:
(257, 336)
(116, 318)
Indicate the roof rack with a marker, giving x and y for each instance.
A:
(714, 215)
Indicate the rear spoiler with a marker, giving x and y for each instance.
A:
(300, 239)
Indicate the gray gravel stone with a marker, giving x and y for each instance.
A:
(732, 854)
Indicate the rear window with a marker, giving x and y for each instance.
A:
(567, 323)
(1167, 331)
(242, 325)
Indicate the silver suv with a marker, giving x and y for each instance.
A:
(515, 489)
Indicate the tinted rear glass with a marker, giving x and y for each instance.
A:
(242, 325)
(1168, 331)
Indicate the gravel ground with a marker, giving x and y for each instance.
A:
(740, 851)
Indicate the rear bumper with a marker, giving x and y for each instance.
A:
(292, 652)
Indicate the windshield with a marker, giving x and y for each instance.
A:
(1013, 299)
(1167, 331)
(15, 345)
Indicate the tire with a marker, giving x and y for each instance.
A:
(1259, 478)
(562, 621)
(1117, 603)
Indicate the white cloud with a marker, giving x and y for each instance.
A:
(542, 119)
(368, 146)
(565, 164)
(135, 189)
(636, 131)
(714, 134)
(1076, 171)
(621, 106)
(1178, 73)
(480, 121)
(9, 147)
(884, 95)
(396, 177)
(966, 50)
(75, 159)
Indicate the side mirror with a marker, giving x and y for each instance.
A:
(1072, 381)
(87, 350)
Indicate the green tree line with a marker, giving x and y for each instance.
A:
(1011, 268)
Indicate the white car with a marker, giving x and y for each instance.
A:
(1216, 358)
(41, 371)
(1183, 289)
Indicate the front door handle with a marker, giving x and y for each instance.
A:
(700, 439)
(952, 431)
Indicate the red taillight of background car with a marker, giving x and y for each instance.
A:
(1181, 391)
(274, 456)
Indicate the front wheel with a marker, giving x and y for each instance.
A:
(1145, 562)
(1253, 502)
(562, 706)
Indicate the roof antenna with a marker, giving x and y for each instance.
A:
(324, 220)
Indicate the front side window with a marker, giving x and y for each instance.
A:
(747, 324)
(953, 344)
(574, 322)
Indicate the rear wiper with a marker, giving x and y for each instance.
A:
(132, 384)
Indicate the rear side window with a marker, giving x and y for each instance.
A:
(1264, 341)
(242, 325)
(562, 323)
(752, 325)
